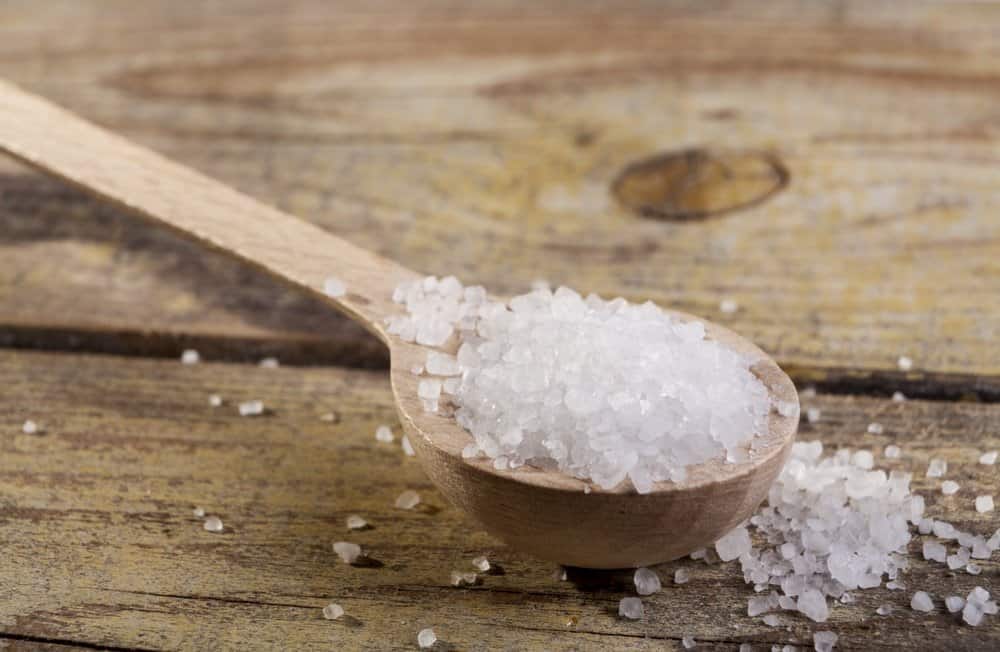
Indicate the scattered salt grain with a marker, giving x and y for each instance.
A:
(895, 585)
(681, 576)
(29, 427)
(937, 468)
(892, 451)
(198, 512)
(630, 608)
(808, 392)
(984, 504)
(333, 611)
(989, 458)
(959, 559)
(688, 642)
(481, 564)
(408, 499)
(190, 356)
(884, 610)
(954, 603)
(898, 397)
(771, 620)
(824, 641)
(269, 363)
(355, 522)
(863, 459)
(384, 434)
(251, 408)
(728, 306)
(213, 524)
(813, 415)
(330, 417)
(733, 544)
(949, 487)
(348, 552)
(699, 553)
(647, 582)
(813, 605)
(973, 569)
(426, 638)
(459, 578)
(407, 447)
(334, 287)
(921, 602)
(215, 400)
(875, 428)
(934, 551)
(904, 363)
(442, 364)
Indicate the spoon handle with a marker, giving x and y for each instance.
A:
(149, 185)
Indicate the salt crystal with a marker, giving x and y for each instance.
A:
(921, 602)
(949, 487)
(699, 553)
(934, 551)
(384, 434)
(787, 408)
(989, 458)
(937, 468)
(269, 363)
(355, 522)
(213, 524)
(429, 389)
(463, 579)
(973, 569)
(813, 415)
(190, 356)
(884, 610)
(898, 397)
(894, 585)
(875, 428)
(681, 576)
(198, 512)
(959, 559)
(813, 605)
(771, 620)
(892, 451)
(728, 306)
(251, 408)
(407, 446)
(408, 499)
(994, 541)
(482, 564)
(863, 459)
(29, 427)
(954, 603)
(944, 530)
(972, 614)
(417, 369)
(824, 641)
(733, 544)
(426, 638)
(904, 363)
(334, 287)
(688, 642)
(215, 400)
(442, 364)
(647, 582)
(984, 504)
(330, 417)
(333, 611)
(808, 392)
(348, 552)
(630, 608)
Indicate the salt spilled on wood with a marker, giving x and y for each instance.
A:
(348, 552)
(251, 408)
(355, 522)
(408, 499)
(630, 608)
(407, 446)
(426, 638)
(647, 582)
(334, 287)
(603, 390)
(384, 434)
(190, 356)
(29, 427)
(333, 611)
(213, 524)
(215, 400)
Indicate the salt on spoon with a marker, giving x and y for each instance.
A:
(534, 508)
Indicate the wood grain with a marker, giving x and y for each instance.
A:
(100, 548)
(483, 142)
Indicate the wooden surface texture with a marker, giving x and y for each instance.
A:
(830, 166)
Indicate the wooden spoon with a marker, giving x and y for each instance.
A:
(542, 512)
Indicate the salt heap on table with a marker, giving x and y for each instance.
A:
(602, 390)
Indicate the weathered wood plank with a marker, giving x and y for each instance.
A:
(100, 548)
(483, 142)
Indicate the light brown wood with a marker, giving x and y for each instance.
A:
(99, 547)
(541, 511)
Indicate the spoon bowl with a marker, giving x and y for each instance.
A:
(539, 511)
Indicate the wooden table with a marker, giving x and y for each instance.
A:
(830, 166)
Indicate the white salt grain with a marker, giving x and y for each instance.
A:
(647, 582)
(934, 551)
(984, 504)
(334, 287)
(330, 417)
(251, 408)
(728, 306)
(813, 605)
(688, 642)
(813, 415)
(904, 363)
(215, 400)
(875, 428)
(269, 363)
(198, 512)
(733, 544)
(898, 397)
(213, 524)
(190, 356)
(347, 551)
(884, 610)
(29, 427)
(426, 638)
(459, 578)
(937, 468)
(989, 458)
(824, 641)
(949, 487)
(973, 569)
(921, 602)
(892, 451)
(407, 447)
(384, 434)
(442, 364)
(333, 611)
(771, 620)
(630, 608)
(481, 564)
(408, 499)
(355, 522)
(681, 576)
(954, 603)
